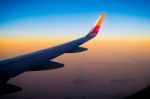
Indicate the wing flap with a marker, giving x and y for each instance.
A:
(78, 49)
(48, 66)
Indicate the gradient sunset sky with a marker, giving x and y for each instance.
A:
(28, 25)
(47, 18)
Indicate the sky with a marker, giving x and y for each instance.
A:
(73, 18)
(29, 25)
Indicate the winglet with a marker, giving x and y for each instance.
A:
(97, 25)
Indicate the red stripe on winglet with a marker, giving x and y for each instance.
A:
(96, 29)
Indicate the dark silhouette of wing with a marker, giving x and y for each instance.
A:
(34, 61)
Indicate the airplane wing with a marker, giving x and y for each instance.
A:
(33, 61)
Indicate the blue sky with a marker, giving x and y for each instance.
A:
(129, 18)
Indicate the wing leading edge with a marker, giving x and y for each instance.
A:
(14, 66)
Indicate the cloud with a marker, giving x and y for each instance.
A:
(81, 80)
(81, 97)
(113, 96)
(122, 81)
(67, 97)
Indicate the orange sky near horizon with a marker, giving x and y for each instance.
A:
(106, 47)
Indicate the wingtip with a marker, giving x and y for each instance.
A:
(98, 24)
(100, 20)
